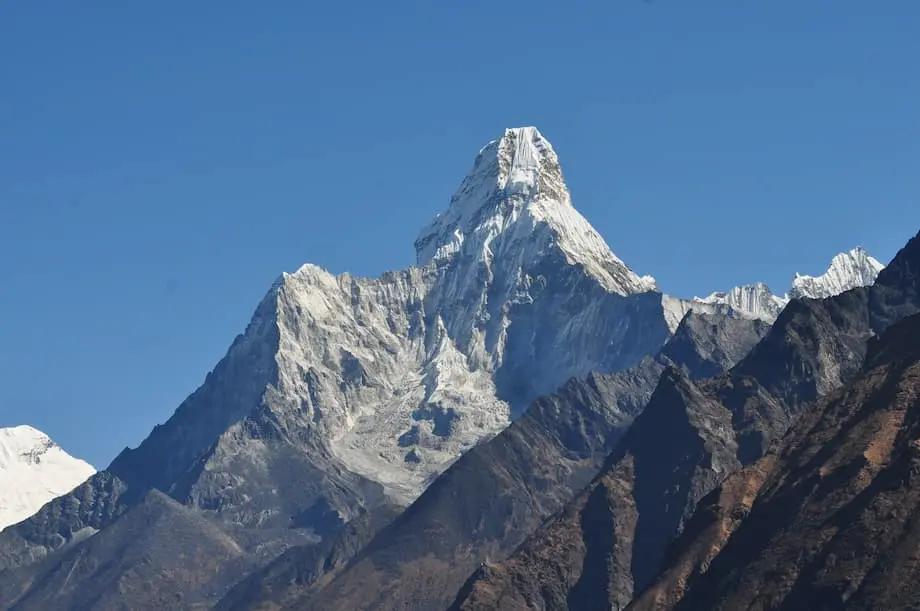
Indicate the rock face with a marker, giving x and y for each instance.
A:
(611, 541)
(33, 471)
(834, 523)
(346, 394)
(495, 495)
(158, 555)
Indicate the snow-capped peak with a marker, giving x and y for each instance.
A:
(33, 470)
(847, 270)
(751, 300)
(514, 201)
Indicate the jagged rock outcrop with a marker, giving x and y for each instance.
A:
(833, 524)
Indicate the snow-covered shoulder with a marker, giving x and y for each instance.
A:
(33, 471)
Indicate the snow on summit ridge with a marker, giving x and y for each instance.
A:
(751, 300)
(33, 470)
(847, 270)
(515, 201)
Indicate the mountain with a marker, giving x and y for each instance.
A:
(487, 502)
(611, 541)
(346, 396)
(368, 442)
(754, 300)
(827, 520)
(847, 270)
(158, 555)
(34, 470)
(388, 380)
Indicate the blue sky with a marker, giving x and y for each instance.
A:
(162, 163)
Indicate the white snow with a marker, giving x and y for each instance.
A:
(516, 189)
(847, 270)
(750, 300)
(398, 374)
(33, 471)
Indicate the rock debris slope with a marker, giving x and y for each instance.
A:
(33, 471)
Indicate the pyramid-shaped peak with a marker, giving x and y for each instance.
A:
(514, 205)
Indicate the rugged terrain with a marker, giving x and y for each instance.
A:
(827, 520)
(610, 543)
(370, 442)
(496, 494)
(347, 396)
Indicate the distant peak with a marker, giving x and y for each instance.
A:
(848, 270)
(750, 300)
(33, 470)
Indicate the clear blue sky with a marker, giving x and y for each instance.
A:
(163, 162)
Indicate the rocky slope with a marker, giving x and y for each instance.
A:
(496, 494)
(611, 541)
(33, 471)
(159, 554)
(829, 518)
